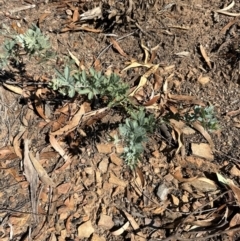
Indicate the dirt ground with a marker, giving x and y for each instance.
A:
(87, 191)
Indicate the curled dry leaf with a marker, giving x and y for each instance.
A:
(153, 100)
(39, 105)
(121, 230)
(146, 52)
(196, 125)
(136, 65)
(143, 79)
(233, 113)
(77, 62)
(230, 183)
(178, 175)
(183, 54)
(205, 56)
(17, 142)
(225, 12)
(179, 138)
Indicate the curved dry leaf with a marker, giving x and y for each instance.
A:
(204, 184)
(131, 220)
(183, 54)
(116, 45)
(14, 88)
(231, 5)
(75, 15)
(179, 138)
(140, 235)
(31, 176)
(77, 62)
(196, 125)
(71, 124)
(146, 52)
(136, 64)
(121, 230)
(41, 171)
(17, 142)
(229, 182)
(205, 56)
(143, 79)
(39, 105)
(139, 179)
(153, 100)
(56, 145)
(229, 14)
(178, 175)
(235, 220)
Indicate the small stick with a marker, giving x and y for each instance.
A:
(20, 9)
(110, 45)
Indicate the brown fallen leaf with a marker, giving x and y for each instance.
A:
(41, 171)
(205, 56)
(75, 15)
(31, 176)
(178, 175)
(202, 150)
(14, 88)
(121, 230)
(116, 181)
(116, 45)
(71, 125)
(143, 79)
(140, 235)
(230, 183)
(196, 125)
(59, 149)
(85, 230)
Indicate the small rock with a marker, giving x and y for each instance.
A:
(85, 230)
(105, 221)
(162, 192)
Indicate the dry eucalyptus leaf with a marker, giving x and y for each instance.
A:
(85, 230)
(31, 176)
(202, 150)
(121, 230)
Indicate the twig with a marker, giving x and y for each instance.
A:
(143, 31)
(110, 45)
(22, 8)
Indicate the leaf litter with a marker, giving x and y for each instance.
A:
(87, 191)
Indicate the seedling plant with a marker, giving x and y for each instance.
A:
(134, 132)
